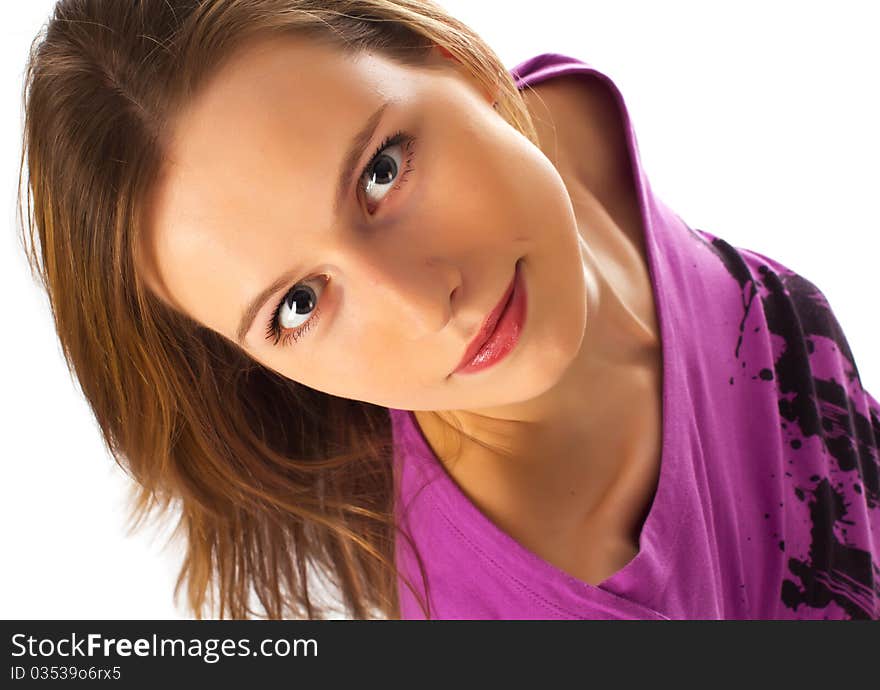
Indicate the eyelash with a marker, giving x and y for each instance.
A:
(274, 332)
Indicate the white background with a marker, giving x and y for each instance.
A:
(757, 122)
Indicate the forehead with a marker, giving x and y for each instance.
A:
(254, 157)
(286, 81)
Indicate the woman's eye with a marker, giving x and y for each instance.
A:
(388, 168)
(297, 306)
(296, 313)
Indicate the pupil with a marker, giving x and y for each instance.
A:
(303, 306)
(377, 176)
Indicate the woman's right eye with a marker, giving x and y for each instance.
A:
(296, 313)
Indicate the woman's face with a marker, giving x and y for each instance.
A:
(368, 274)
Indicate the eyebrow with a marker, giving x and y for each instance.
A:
(347, 171)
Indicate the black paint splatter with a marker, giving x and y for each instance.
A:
(835, 572)
(797, 312)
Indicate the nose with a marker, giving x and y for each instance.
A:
(419, 290)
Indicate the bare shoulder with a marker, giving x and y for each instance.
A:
(581, 130)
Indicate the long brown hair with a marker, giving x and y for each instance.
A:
(272, 482)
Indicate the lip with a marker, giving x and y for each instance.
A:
(500, 331)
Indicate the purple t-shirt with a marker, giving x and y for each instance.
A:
(768, 501)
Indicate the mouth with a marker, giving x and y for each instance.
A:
(483, 350)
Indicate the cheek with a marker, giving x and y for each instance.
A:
(536, 183)
(373, 383)
(359, 368)
(511, 184)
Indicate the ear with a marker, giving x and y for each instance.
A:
(443, 56)
(445, 53)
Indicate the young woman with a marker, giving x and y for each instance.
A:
(357, 302)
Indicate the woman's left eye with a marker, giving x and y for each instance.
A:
(383, 172)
